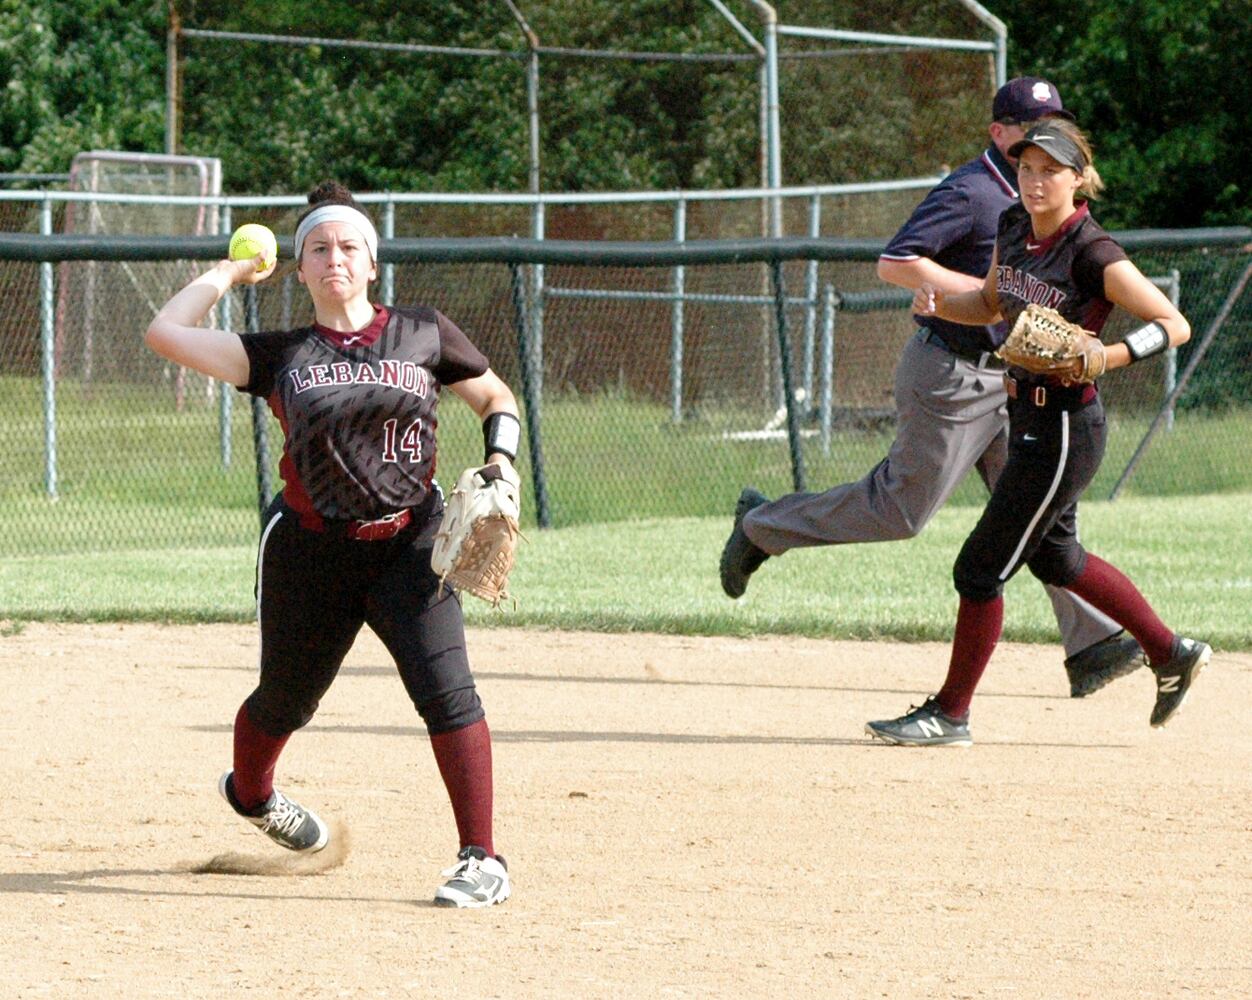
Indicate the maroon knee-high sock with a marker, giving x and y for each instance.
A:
(256, 756)
(464, 759)
(978, 625)
(1107, 588)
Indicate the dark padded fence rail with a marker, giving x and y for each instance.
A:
(518, 250)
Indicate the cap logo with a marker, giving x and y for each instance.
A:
(1042, 93)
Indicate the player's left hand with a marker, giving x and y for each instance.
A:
(474, 549)
(1043, 342)
(499, 467)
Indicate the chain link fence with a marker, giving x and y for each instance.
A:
(653, 378)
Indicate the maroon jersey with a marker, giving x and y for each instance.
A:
(358, 409)
(1064, 271)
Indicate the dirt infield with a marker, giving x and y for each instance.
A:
(683, 818)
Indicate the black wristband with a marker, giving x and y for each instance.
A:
(502, 434)
(1146, 341)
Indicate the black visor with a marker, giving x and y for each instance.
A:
(1055, 143)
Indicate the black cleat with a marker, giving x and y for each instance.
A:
(740, 558)
(927, 726)
(1103, 662)
(1174, 679)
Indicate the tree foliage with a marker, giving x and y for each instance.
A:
(1157, 85)
(1154, 81)
(82, 75)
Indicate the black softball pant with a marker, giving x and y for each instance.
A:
(1032, 516)
(314, 592)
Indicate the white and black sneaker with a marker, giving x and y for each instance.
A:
(286, 823)
(477, 879)
(927, 726)
(1174, 678)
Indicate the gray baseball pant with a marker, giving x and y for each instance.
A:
(951, 416)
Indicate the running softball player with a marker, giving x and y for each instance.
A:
(950, 401)
(347, 542)
(1049, 250)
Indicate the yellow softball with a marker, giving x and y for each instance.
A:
(251, 239)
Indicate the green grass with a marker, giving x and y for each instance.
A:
(1189, 556)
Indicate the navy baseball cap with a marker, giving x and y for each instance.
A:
(1055, 143)
(1025, 99)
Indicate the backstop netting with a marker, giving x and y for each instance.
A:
(90, 314)
(653, 379)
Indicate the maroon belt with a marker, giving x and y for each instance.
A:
(359, 531)
(381, 529)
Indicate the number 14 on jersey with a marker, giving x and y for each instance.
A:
(410, 442)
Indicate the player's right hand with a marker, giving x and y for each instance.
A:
(927, 299)
(247, 271)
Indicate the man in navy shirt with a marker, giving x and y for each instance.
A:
(950, 400)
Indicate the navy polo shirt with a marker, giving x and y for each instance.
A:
(955, 226)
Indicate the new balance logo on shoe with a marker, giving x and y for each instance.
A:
(1174, 679)
(927, 726)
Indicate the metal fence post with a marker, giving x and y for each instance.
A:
(531, 400)
(774, 161)
(47, 330)
(1174, 290)
(388, 289)
(532, 91)
(676, 318)
(829, 312)
(535, 328)
(532, 113)
(810, 294)
(224, 402)
(784, 363)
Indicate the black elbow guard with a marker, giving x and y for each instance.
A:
(1146, 341)
(502, 434)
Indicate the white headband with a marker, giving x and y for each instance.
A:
(338, 213)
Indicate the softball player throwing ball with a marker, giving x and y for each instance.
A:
(1050, 251)
(348, 540)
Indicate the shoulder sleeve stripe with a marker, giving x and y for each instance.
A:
(1000, 179)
